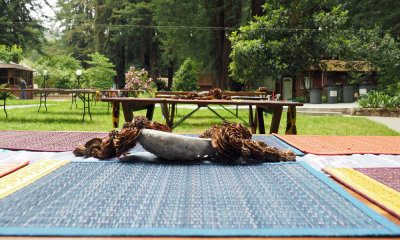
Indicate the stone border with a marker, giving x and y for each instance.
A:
(378, 112)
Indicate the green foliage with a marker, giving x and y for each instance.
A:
(77, 20)
(286, 41)
(371, 13)
(302, 99)
(11, 96)
(272, 45)
(18, 25)
(10, 54)
(60, 71)
(179, 43)
(185, 79)
(100, 72)
(375, 99)
(381, 53)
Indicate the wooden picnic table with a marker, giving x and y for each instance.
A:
(166, 94)
(123, 92)
(83, 94)
(86, 95)
(275, 107)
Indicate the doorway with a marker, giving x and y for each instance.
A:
(287, 88)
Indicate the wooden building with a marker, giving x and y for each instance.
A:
(336, 73)
(9, 74)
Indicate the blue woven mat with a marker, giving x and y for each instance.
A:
(122, 199)
(268, 139)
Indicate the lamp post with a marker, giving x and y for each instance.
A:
(78, 73)
(44, 78)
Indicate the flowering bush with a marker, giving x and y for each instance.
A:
(138, 80)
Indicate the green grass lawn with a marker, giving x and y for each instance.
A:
(59, 117)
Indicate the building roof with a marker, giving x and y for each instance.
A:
(12, 65)
(344, 66)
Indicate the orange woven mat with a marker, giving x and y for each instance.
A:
(9, 167)
(342, 145)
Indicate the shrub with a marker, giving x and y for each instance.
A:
(101, 72)
(301, 99)
(185, 79)
(375, 99)
(138, 80)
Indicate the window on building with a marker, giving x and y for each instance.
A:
(3, 73)
(306, 83)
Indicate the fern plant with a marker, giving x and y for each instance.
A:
(375, 99)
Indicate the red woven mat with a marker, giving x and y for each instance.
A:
(342, 145)
(388, 176)
(9, 167)
(45, 141)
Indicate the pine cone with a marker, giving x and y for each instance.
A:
(107, 148)
(79, 150)
(228, 143)
(225, 123)
(87, 150)
(217, 93)
(113, 134)
(140, 122)
(126, 140)
(192, 95)
(287, 155)
(208, 133)
(258, 152)
(253, 150)
(158, 126)
(241, 129)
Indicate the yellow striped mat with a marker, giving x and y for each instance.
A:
(27, 175)
(380, 194)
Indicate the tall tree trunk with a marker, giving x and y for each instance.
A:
(218, 82)
(256, 8)
(227, 16)
(120, 66)
(170, 74)
(99, 28)
(153, 60)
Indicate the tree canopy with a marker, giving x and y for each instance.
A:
(100, 73)
(18, 27)
(287, 41)
(159, 35)
(10, 54)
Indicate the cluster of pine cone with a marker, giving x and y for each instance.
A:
(215, 93)
(234, 145)
(117, 142)
(232, 142)
(191, 95)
